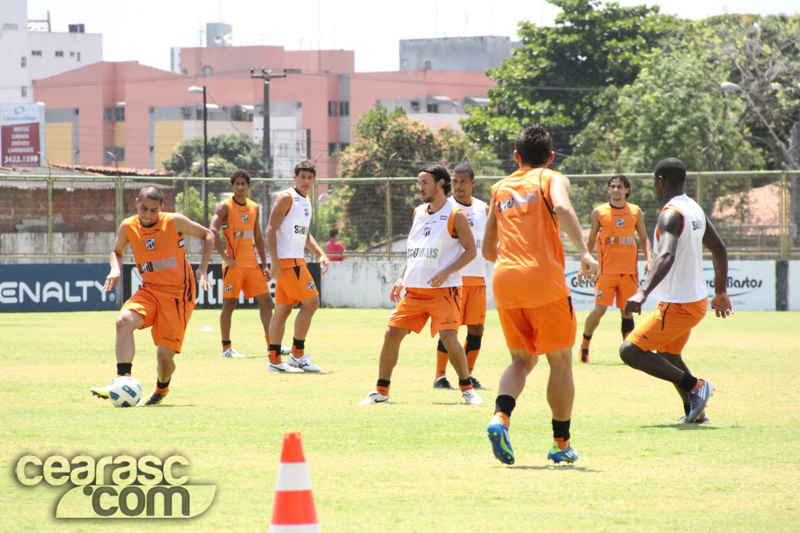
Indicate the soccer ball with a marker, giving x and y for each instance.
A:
(125, 392)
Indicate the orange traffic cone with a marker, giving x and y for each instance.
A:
(294, 504)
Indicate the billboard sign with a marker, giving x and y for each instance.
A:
(57, 287)
(21, 135)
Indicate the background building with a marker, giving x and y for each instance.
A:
(464, 54)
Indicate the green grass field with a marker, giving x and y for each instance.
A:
(423, 462)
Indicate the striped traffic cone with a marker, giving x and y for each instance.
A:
(294, 504)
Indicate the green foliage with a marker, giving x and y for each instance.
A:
(195, 212)
(226, 153)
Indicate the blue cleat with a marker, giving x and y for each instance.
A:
(501, 445)
(557, 455)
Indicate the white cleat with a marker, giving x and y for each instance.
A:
(286, 350)
(282, 367)
(304, 364)
(374, 397)
(471, 397)
(230, 352)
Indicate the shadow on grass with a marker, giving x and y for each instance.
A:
(554, 468)
(682, 427)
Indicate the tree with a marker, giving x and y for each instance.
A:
(225, 152)
(559, 73)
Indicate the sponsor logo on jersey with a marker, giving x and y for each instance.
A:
(300, 230)
(150, 244)
(158, 264)
(244, 217)
(243, 235)
(517, 200)
(620, 222)
(422, 253)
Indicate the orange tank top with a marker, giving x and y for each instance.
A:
(239, 228)
(160, 257)
(529, 271)
(616, 238)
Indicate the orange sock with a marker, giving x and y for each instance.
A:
(465, 387)
(275, 354)
(562, 444)
(501, 418)
(585, 342)
(472, 356)
(441, 363)
(298, 348)
(162, 390)
(472, 347)
(383, 390)
(226, 345)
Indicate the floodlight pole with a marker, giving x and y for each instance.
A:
(268, 76)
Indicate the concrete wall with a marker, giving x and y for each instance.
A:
(78, 50)
(466, 54)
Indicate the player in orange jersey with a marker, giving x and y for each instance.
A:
(614, 226)
(165, 300)
(656, 345)
(473, 290)
(523, 238)
(238, 217)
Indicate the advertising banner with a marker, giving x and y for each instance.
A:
(58, 287)
(794, 285)
(21, 135)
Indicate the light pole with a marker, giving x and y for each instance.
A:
(267, 76)
(732, 87)
(197, 90)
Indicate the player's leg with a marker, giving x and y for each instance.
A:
(440, 381)
(628, 324)
(228, 306)
(560, 397)
(472, 347)
(390, 353)
(302, 323)
(458, 359)
(512, 383)
(627, 287)
(277, 327)
(474, 316)
(592, 321)
(127, 322)
(164, 371)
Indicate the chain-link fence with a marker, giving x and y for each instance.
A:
(74, 219)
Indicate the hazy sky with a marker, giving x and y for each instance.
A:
(144, 30)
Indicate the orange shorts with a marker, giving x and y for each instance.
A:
(167, 316)
(295, 283)
(473, 303)
(621, 286)
(442, 305)
(540, 330)
(668, 328)
(249, 279)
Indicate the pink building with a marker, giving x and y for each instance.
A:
(139, 114)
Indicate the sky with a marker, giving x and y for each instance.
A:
(145, 30)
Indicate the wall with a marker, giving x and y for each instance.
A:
(79, 50)
(13, 47)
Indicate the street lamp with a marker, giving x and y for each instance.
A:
(732, 87)
(197, 90)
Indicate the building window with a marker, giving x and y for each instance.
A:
(333, 108)
(9, 26)
(185, 72)
(79, 56)
(119, 114)
(206, 72)
(344, 109)
(23, 92)
(343, 146)
(24, 62)
(59, 53)
(331, 148)
(433, 108)
(72, 54)
(427, 65)
(37, 53)
(117, 151)
(108, 114)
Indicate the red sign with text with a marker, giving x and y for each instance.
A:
(20, 145)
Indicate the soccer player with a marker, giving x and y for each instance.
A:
(238, 218)
(656, 345)
(615, 225)
(334, 248)
(165, 300)
(440, 244)
(288, 236)
(523, 238)
(473, 290)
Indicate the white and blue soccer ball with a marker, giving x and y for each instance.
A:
(125, 392)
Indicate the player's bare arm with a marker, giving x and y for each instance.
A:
(489, 246)
(311, 244)
(644, 241)
(465, 237)
(397, 288)
(219, 218)
(187, 227)
(281, 208)
(120, 243)
(559, 187)
(670, 224)
(592, 239)
(720, 303)
(258, 239)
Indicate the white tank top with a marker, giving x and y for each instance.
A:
(684, 282)
(293, 231)
(476, 213)
(431, 247)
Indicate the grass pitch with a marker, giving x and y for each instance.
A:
(423, 462)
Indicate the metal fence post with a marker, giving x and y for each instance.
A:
(186, 196)
(783, 218)
(120, 209)
(699, 185)
(50, 219)
(388, 219)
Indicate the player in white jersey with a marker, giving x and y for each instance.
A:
(440, 244)
(288, 236)
(656, 345)
(473, 288)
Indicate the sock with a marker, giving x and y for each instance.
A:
(586, 340)
(275, 354)
(465, 384)
(298, 348)
(501, 418)
(472, 347)
(124, 369)
(383, 386)
(226, 345)
(686, 408)
(689, 382)
(561, 433)
(162, 388)
(267, 337)
(504, 404)
(627, 327)
(441, 360)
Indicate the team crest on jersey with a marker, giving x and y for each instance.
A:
(311, 285)
(470, 223)
(426, 231)
(150, 244)
(598, 294)
(620, 222)
(244, 217)
(305, 210)
(228, 288)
